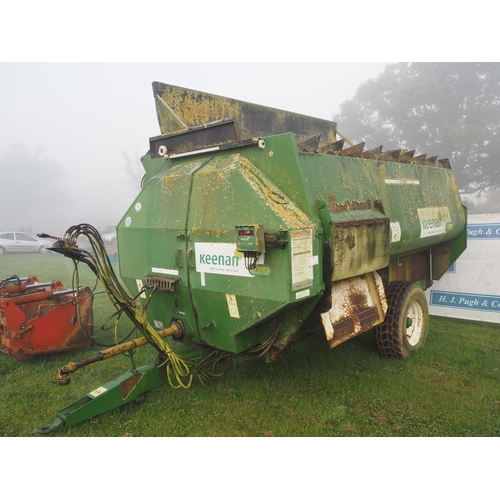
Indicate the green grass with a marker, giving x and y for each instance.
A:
(450, 388)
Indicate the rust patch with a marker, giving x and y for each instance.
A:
(355, 301)
(127, 386)
(179, 108)
(336, 208)
(343, 329)
(414, 267)
(357, 305)
(291, 215)
(350, 241)
(368, 317)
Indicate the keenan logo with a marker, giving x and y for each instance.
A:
(431, 224)
(433, 221)
(219, 258)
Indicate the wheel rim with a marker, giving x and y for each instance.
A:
(415, 323)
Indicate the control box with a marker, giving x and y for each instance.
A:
(250, 238)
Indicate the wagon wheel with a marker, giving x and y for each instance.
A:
(407, 321)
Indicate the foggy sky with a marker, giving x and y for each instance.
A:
(86, 116)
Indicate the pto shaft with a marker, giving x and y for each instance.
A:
(64, 373)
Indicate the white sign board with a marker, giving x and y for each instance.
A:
(470, 289)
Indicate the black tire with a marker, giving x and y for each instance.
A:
(406, 324)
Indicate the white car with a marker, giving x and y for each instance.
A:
(17, 242)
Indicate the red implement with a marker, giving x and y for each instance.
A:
(41, 318)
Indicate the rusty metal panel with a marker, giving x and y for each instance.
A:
(179, 109)
(444, 254)
(215, 135)
(368, 317)
(415, 267)
(358, 304)
(359, 246)
(343, 330)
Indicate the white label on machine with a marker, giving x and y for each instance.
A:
(140, 286)
(433, 220)
(396, 232)
(301, 248)
(232, 305)
(97, 392)
(220, 258)
(302, 294)
(403, 182)
(161, 270)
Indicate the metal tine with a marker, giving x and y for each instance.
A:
(309, 145)
(332, 148)
(392, 155)
(420, 159)
(355, 150)
(432, 161)
(445, 163)
(373, 153)
(406, 157)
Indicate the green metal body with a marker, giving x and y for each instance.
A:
(251, 221)
(183, 227)
(123, 390)
(326, 218)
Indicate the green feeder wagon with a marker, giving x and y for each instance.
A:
(252, 221)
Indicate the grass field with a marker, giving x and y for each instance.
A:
(450, 388)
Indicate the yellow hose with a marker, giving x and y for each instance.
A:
(176, 366)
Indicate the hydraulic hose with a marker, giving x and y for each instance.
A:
(180, 372)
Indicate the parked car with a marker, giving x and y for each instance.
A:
(17, 242)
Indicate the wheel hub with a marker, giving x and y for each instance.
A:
(414, 323)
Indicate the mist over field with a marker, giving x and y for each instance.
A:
(72, 134)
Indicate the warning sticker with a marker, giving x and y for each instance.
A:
(97, 392)
(302, 294)
(302, 262)
(140, 286)
(232, 305)
(396, 232)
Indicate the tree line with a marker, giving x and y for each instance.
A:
(450, 110)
